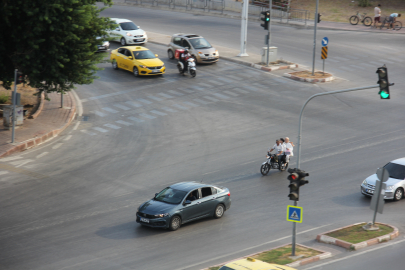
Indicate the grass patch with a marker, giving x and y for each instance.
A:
(356, 234)
(214, 268)
(281, 255)
(4, 98)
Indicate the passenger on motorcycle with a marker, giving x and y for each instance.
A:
(279, 150)
(183, 58)
(289, 148)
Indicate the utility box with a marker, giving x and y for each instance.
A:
(8, 113)
(272, 56)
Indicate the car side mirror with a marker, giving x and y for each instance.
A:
(156, 195)
(156, 55)
(117, 29)
(130, 57)
(186, 202)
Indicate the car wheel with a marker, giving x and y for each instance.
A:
(399, 193)
(136, 72)
(170, 54)
(265, 169)
(123, 42)
(175, 223)
(219, 211)
(114, 64)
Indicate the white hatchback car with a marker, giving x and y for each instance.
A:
(395, 183)
(128, 33)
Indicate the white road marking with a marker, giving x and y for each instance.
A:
(112, 126)
(88, 132)
(3, 172)
(158, 113)
(43, 154)
(220, 96)
(137, 105)
(205, 85)
(201, 101)
(155, 98)
(78, 104)
(56, 146)
(144, 101)
(100, 129)
(122, 107)
(135, 119)
(224, 80)
(231, 93)
(123, 123)
(216, 82)
(109, 110)
(175, 93)
(211, 98)
(180, 107)
(99, 113)
(147, 116)
(76, 125)
(168, 109)
(165, 95)
(19, 163)
(356, 254)
(249, 248)
(190, 104)
(197, 87)
(11, 158)
(68, 137)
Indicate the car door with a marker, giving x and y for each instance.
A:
(116, 33)
(128, 60)
(193, 210)
(208, 200)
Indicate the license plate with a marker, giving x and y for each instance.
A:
(210, 57)
(370, 191)
(139, 39)
(156, 71)
(144, 220)
(101, 47)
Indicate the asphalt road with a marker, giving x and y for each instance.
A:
(72, 203)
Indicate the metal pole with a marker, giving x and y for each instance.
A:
(323, 66)
(243, 35)
(14, 103)
(377, 188)
(317, 95)
(268, 33)
(315, 26)
(61, 99)
(294, 234)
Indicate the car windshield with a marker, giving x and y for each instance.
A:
(128, 26)
(143, 54)
(395, 170)
(200, 43)
(170, 195)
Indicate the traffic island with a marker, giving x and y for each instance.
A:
(355, 237)
(306, 76)
(282, 255)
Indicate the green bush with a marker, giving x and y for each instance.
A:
(3, 98)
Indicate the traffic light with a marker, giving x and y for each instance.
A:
(319, 18)
(383, 82)
(297, 179)
(20, 77)
(265, 17)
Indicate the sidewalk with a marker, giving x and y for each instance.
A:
(50, 121)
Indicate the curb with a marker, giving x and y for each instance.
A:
(241, 62)
(305, 261)
(40, 107)
(323, 238)
(301, 79)
(39, 140)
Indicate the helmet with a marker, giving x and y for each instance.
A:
(186, 51)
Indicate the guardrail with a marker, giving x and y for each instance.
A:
(204, 5)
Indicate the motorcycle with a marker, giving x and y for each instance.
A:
(271, 163)
(190, 67)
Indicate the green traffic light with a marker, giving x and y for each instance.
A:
(267, 19)
(384, 95)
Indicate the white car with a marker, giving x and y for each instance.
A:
(395, 183)
(128, 33)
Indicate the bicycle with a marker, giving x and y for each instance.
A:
(396, 25)
(354, 20)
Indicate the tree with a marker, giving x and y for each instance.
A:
(52, 42)
(364, 3)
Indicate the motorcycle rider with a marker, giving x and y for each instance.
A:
(289, 148)
(279, 150)
(183, 58)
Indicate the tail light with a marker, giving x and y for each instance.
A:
(229, 194)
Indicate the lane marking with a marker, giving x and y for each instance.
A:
(76, 125)
(11, 158)
(42, 155)
(109, 110)
(100, 129)
(22, 171)
(88, 132)
(135, 119)
(158, 113)
(168, 109)
(354, 255)
(3, 172)
(175, 93)
(155, 98)
(211, 98)
(124, 123)
(144, 101)
(112, 126)
(180, 107)
(165, 95)
(68, 137)
(201, 101)
(125, 108)
(191, 104)
(99, 113)
(220, 96)
(147, 116)
(197, 87)
(56, 146)
(241, 91)
(249, 248)
(231, 93)
(137, 105)
(79, 104)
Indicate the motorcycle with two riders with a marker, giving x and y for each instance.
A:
(271, 163)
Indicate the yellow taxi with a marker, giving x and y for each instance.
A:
(137, 59)
(253, 264)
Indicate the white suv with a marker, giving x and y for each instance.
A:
(128, 33)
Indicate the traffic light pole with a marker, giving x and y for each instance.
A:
(14, 103)
(243, 35)
(268, 34)
(315, 26)
(294, 234)
(323, 94)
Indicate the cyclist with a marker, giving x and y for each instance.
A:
(393, 19)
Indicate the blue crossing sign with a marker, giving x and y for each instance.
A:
(294, 213)
(325, 41)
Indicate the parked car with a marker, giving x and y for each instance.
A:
(253, 264)
(139, 60)
(128, 33)
(183, 202)
(395, 185)
(200, 49)
(104, 46)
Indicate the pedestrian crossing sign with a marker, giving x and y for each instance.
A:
(294, 213)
